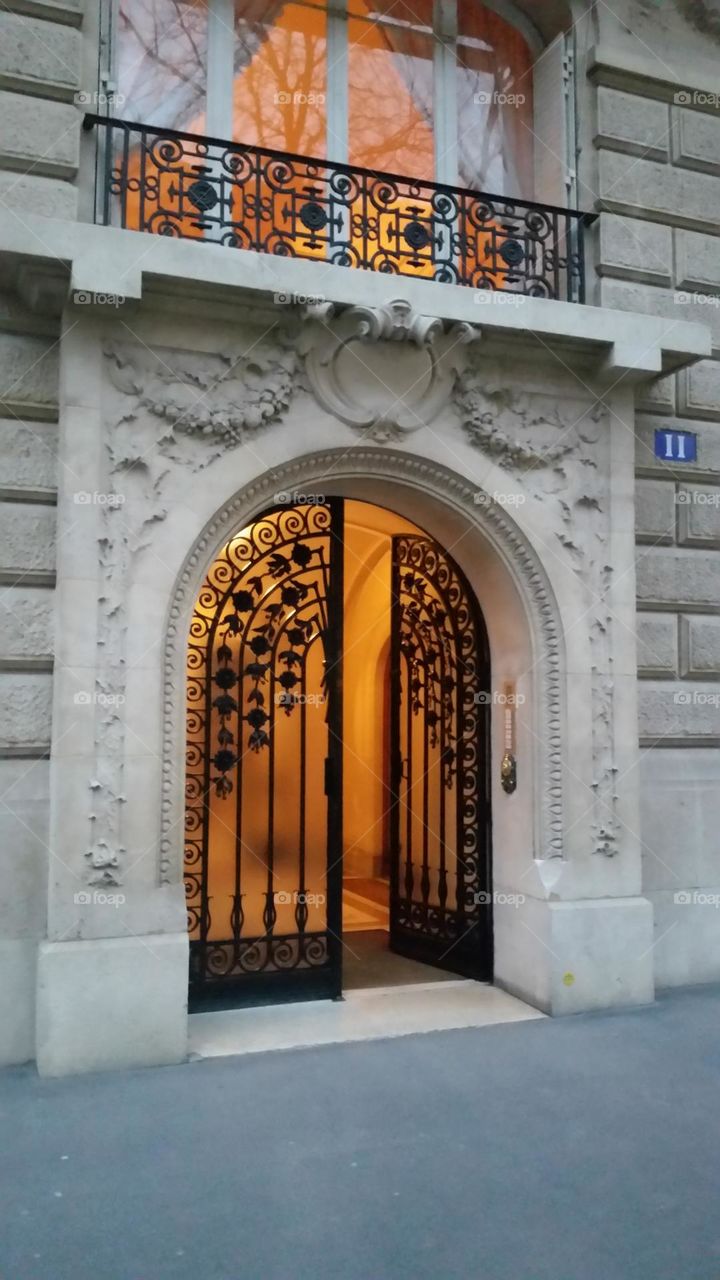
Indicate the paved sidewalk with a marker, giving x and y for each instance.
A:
(584, 1148)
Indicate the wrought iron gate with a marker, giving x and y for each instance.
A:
(263, 870)
(440, 902)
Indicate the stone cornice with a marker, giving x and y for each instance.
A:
(110, 261)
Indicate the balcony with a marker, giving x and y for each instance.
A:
(207, 190)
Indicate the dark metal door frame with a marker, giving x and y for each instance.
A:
(440, 680)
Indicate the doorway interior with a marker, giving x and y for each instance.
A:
(338, 826)
(368, 958)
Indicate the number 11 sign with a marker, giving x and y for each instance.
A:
(676, 446)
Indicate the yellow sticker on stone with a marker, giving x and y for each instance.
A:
(568, 979)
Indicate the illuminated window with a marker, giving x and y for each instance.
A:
(433, 89)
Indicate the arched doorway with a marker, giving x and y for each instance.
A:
(338, 661)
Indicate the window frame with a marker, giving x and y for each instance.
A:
(221, 72)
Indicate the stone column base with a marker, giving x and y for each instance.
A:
(17, 1001)
(111, 1003)
(570, 957)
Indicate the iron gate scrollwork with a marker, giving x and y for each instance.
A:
(264, 766)
(440, 901)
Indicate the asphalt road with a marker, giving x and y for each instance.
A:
(584, 1148)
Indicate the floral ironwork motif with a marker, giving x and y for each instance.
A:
(271, 607)
(181, 184)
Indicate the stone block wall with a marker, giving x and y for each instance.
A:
(41, 55)
(28, 476)
(655, 176)
(44, 57)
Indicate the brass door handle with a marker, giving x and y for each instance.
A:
(508, 773)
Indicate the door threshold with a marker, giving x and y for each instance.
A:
(447, 984)
(373, 1013)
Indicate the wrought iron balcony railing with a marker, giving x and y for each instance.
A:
(205, 189)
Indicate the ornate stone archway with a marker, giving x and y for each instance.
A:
(328, 471)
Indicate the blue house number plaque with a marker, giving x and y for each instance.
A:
(676, 446)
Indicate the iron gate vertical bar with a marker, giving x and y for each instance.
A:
(334, 694)
(459, 711)
(207, 785)
(270, 913)
(237, 912)
(395, 739)
(300, 916)
(425, 874)
(442, 869)
(483, 766)
(409, 878)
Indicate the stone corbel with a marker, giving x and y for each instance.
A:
(386, 371)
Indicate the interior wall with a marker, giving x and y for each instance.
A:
(366, 671)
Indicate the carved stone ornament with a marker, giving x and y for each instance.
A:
(168, 411)
(210, 401)
(385, 370)
(553, 445)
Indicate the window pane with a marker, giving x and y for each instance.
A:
(280, 82)
(162, 61)
(495, 113)
(390, 71)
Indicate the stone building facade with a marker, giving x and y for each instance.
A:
(161, 392)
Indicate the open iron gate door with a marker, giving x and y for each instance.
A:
(440, 899)
(263, 859)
